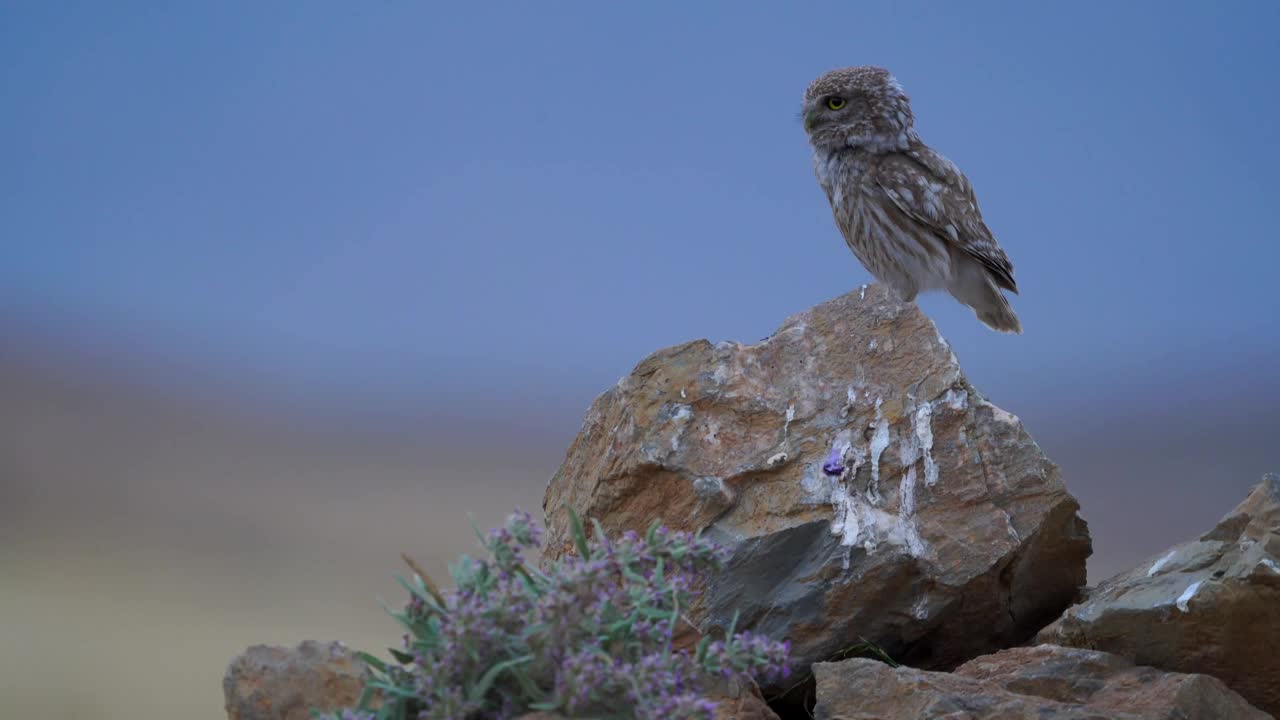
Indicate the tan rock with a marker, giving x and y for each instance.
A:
(947, 535)
(736, 701)
(1211, 605)
(279, 683)
(1039, 683)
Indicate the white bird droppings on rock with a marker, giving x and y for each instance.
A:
(709, 488)
(924, 436)
(1159, 564)
(1184, 599)
(956, 399)
(1003, 416)
(681, 417)
(879, 442)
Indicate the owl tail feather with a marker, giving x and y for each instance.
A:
(1001, 318)
(974, 287)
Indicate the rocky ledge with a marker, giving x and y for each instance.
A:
(866, 489)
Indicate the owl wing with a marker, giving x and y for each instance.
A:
(931, 190)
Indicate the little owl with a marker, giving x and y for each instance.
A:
(906, 212)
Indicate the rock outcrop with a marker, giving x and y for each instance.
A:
(1211, 605)
(1037, 683)
(865, 488)
(279, 683)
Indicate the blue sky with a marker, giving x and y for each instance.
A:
(373, 201)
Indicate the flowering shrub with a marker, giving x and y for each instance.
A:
(589, 637)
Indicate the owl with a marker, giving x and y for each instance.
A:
(906, 212)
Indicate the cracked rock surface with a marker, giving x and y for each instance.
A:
(1211, 605)
(866, 489)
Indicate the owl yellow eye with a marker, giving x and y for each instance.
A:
(835, 103)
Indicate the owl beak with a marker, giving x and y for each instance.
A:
(810, 120)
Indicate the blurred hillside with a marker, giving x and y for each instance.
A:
(151, 530)
(147, 533)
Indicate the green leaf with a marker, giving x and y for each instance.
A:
(633, 576)
(532, 630)
(531, 689)
(373, 662)
(601, 652)
(470, 647)
(654, 613)
(421, 593)
(700, 653)
(393, 709)
(460, 570)
(651, 535)
(579, 535)
(598, 528)
(529, 580)
(392, 689)
(675, 616)
(481, 688)
(366, 696)
(403, 657)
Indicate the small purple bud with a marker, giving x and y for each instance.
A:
(833, 466)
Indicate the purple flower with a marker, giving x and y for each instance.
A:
(577, 634)
(834, 465)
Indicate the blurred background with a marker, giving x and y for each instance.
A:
(288, 288)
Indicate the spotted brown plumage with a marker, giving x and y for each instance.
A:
(908, 214)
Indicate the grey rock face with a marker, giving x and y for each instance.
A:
(938, 529)
(1211, 605)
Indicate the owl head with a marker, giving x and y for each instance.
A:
(857, 107)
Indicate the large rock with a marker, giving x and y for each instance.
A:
(279, 683)
(938, 528)
(1040, 683)
(1211, 605)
